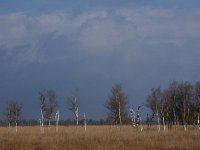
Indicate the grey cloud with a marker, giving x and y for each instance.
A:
(107, 34)
(142, 48)
(164, 24)
(94, 31)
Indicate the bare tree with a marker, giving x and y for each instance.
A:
(43, 106)
(117, 105)
(184, 96)
(51, 106)
(179, 103)
(13, 113)
(173, 100)
(154, 103)
(48, 106)
(73, 102)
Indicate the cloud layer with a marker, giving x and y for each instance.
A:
(141, 47)
(96, 31)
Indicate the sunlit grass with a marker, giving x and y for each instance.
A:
(98, 138)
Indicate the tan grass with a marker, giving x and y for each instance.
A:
(98, 138)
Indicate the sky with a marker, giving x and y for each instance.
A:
(91, 45)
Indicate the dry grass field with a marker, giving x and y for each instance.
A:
(98, 138)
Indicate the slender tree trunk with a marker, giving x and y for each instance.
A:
(40, 125)
(77, 121)
(198, 121)
(175, 118)
(167, 122)
(16, 127)
(120, 119)
(85, 122)
(185, 128)
(42, 121)
(158, 119)
(174, 111)
(158, 123)
(49, 125)
(163, 119)
(184, 116)
(56, 126)
(134, 118)
(141, 125)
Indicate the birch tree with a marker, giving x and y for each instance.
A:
(117, 105)
(185, 102)
(74, 107)
(154, 103)
(43, 107)
(178, 104)
(13, 113)
(48, 106)
(51, 106)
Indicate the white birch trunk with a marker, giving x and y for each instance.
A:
(77, 116)
(40, 125)
(42, 121)
(77, 121)
(16, 127)
(57, 117)
(163, 119)
(185, 128)
(198, 121)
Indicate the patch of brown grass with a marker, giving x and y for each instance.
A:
(98, 138)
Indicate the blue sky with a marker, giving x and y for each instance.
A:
(91, 45)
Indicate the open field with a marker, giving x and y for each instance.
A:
(98, 138)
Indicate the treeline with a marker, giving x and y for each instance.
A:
(177, 104)
(116, 103)
(49, 112)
